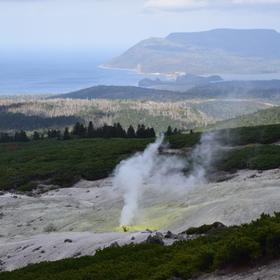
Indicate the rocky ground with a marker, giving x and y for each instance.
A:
(77, 221)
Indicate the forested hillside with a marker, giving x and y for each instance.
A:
(188, 114)
(263, 117)
(18, 121)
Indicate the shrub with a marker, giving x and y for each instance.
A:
(50, 228)
(205, 229)
(238, 250)
(273, 242)
(204, 259)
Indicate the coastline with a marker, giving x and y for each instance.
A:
(135, 70)
(225, 76)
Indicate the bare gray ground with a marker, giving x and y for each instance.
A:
(35, 229)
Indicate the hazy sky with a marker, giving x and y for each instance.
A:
(117, 24)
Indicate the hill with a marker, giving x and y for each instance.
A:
(24, 166)
(202, 88)
(238, 89)
(199, 107)
(181, 83)
(19, 121)
(122, 92)
(209, 52)
(262, 117)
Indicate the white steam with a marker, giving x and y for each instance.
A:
(161, 173)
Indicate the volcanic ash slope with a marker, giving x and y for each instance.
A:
(77, 221)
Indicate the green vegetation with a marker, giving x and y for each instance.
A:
(22, 165)
(187, 113)
(81, 131)
(265, 134)
(254, 157)
(222, 109)
(121, 92)
(205, 229)
(104, 111)
(18, 121)
(262, 117)
(184, 140)
(234, 246)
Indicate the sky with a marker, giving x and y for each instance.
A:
(115, 25)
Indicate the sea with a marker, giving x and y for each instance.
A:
(45, 73)
(57, 73)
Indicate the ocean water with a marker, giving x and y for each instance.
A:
(45, 73)
(56, 73)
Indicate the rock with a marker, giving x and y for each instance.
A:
(148, 230)
(76, 255)
(68, 241)
(132, 238)
(37, 249)
(115, 245)
(169, 235)
(154, 239)
(159, 234)
(182, 237)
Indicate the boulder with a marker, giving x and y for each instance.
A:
(115, 245)
(68, 241)
(170, 235)
(154, 239)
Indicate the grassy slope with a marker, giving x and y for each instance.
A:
(256, 152)
(263, 117)
(234, 246)
(254, 157)
(264, 134)
(64, 162)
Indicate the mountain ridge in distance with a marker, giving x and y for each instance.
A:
(269, 90)
(225, 51)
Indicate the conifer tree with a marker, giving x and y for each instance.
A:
(131, 132)
(21, 136)
(169, 131)
(90, 130)
(66, 134)
(36, 136)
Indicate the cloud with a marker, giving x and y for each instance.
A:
(206, 4)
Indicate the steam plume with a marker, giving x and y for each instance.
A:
(163, 173)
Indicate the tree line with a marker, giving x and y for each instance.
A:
(107, 131)
(19, 121)
(79, 130)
